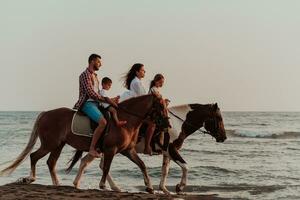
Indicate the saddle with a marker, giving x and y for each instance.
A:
(82, 125)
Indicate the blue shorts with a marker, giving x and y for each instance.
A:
(90, 108)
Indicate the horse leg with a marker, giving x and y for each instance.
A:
(133, 156)
(51, 162)
(182, 184)
(176, 157)
(34, 157)
(112, 184)
(108, 157)
(165, 171)
(85, 161)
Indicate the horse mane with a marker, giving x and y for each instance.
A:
(132, 100)
(183, 109)
(201, 106)
(191, 105)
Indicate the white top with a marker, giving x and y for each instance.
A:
(103, 93)
(136, 89)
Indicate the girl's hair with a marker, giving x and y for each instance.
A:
(157, 77)
(131, 74)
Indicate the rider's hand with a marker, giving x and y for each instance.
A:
(167, 101)
(116, 100)
(114, 104)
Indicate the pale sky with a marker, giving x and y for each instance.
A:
(245, 55)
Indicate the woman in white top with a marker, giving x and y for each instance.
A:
(133, 82)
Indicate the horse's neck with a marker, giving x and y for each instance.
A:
(175, 113)
(135, 110)
(178, 115)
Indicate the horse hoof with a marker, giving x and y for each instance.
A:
(165, 190)
(179, 189)
(116, 189)
(102, 187)
(150, 190)
(76, 185)
(25, 180)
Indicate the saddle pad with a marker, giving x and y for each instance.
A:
(81, 125)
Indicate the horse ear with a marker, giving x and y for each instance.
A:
(216, 107)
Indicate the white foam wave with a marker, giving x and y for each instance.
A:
(257, 134)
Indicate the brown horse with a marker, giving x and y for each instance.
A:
(54, 130)
(185, 120)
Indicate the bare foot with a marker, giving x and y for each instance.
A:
(148, 150)
(94, 153)
(121, 123)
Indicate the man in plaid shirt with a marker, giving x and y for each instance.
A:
(89, 99)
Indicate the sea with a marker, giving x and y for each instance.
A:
(259, 160)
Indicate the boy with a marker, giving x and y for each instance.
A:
(106, 85)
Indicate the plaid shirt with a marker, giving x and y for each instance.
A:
(86, 89)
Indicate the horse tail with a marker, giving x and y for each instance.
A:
(32, 140)
(74, 160)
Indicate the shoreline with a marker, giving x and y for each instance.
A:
(41, 192)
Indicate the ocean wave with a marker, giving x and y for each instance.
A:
(253, 134)
(248, 124)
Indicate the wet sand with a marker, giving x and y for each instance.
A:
(42, 192)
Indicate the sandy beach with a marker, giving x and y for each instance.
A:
(38, 192)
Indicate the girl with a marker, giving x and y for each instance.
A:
(155, 85)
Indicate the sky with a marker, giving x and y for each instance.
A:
(242, 54)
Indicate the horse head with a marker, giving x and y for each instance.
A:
(214, 124)
(208, 116)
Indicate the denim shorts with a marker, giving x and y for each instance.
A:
(90, 108)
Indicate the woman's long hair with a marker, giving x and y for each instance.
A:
(157, 77)
(131, 74)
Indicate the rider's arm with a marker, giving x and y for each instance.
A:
(155, 92)
(111, 102)
(107, 99)
(88, 87)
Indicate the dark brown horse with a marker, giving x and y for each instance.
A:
(54, 130)
(185, 120)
